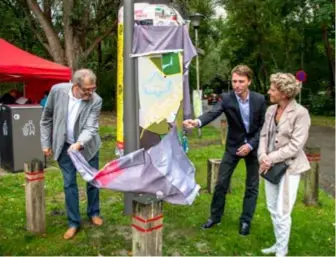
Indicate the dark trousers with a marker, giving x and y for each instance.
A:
(227, 166)
(69, 172)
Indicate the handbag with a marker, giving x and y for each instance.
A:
(275, 173)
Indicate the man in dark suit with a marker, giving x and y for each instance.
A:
(245, 111)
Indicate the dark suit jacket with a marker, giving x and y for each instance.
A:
(236, 131)
(7, 99)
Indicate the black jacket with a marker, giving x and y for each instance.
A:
(236, 130)
(7, 99)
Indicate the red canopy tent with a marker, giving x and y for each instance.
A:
(36, 73)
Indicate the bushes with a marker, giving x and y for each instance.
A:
(322, 105)
(107, 88)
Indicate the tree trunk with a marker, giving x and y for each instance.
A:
(79, 57)
(54, 42)
(68, 32)
(75, 31)
(47, 8)
(329, 54)
(100, 55)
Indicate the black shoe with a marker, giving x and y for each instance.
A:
(244, 229)
(210, 223)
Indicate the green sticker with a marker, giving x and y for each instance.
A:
(171, 64)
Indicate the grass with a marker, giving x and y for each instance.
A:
(313, 231)
(325, 121)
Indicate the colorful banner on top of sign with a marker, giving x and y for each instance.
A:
(153, 14)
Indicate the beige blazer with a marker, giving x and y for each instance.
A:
(291, 136)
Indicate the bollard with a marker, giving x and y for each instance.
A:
(223, 131)
(35, 202)
(213, 170)
(311, 177)
(147, 225)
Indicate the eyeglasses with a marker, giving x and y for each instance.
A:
(87, 90)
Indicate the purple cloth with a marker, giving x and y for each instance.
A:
(147, 39)
(163, 170)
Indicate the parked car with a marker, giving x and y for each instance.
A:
(213, 99)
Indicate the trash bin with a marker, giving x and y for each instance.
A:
(19, 135)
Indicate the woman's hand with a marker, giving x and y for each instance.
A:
(265, 165)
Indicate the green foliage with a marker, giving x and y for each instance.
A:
(107, 88)
(270, 36)
(6, 87)
(15, 28)
(322, 105)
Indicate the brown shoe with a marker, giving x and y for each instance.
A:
(96, 220)
(70, 233)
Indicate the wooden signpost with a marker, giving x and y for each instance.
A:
(35, 200)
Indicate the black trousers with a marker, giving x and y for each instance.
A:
(227, 166)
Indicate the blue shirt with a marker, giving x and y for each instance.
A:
(244, 108)
(44, 101)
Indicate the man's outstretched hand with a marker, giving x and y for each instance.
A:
(189, 124)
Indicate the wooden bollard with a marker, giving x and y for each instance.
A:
(223, 131)
(147, 225)
(311, 177)
(35, 201)
(213, 170)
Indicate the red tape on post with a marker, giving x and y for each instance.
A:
(147, 230)
(34, 176)
(314, 157)
(34, 179)
(34, 173)
(149, 220)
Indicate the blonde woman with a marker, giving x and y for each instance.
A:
(282, 139)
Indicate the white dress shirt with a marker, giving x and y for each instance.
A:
(73, 107)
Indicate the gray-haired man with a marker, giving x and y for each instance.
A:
(70, 121)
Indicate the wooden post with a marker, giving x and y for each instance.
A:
(35, 202)
(213, 170)
(311, 178)
(223, 131)
(147, 224)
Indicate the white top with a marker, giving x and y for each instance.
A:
(21, 100)
(73, 107)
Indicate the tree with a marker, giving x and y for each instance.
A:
(15, 29)
(69, 30)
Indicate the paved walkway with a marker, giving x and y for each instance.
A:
(324, 137)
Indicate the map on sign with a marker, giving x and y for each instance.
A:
(160, 87)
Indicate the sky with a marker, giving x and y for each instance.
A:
(220, 12)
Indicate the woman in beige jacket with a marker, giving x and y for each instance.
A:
(282, 139)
